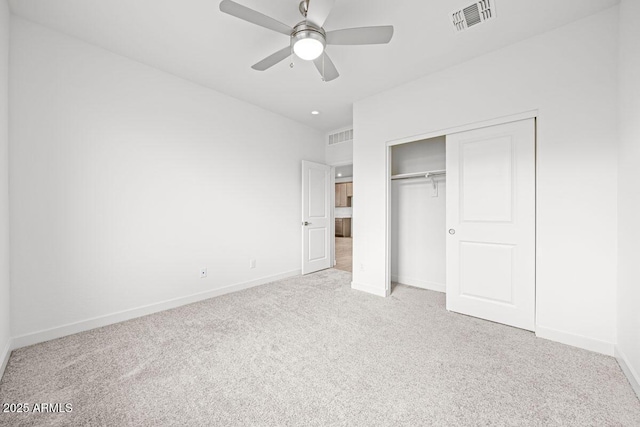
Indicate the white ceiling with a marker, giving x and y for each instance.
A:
(194, 40)
(344, 171)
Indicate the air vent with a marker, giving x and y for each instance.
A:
(473, 14)
(342, 136)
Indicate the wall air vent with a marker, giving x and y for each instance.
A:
(473, 14)
(339, 137)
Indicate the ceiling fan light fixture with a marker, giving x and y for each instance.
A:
(308, 43)
(308, 49)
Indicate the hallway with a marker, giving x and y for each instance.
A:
(344, 258)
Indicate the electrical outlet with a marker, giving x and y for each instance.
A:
(203, 273)
(252, 263)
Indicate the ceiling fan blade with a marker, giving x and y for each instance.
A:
(272, 60)
(326, 67)
(318, 11)
(364, 35)
(250, 15)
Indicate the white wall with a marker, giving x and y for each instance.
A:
(629, 191)
(418, 219)
(126, 180)
(340, 153)
(570, 76)
(5, 332)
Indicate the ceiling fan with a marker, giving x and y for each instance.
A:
(308, 39)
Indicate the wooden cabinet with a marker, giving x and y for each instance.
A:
(341, 195)
(343, 227)
(344, 192)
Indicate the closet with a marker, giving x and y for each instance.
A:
(418, 214)
(462, 220)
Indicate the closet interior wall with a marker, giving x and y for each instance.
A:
(418, 216)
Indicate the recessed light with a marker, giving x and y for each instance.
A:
(315, 112)
(339, 175)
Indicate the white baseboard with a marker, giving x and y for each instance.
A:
(381, 292)
(580, 341)
(627, 368)
(422, 284)
(4, 357)
(109, 319)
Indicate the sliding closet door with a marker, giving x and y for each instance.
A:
(491, 223)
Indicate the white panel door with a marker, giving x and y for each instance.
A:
(491, 223)
(316, 217)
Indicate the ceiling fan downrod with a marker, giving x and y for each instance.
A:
(304, 8)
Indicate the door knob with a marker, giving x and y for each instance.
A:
(306, 223)
(452, 231)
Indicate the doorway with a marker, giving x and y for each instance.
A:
(418, 210)
(343, 214)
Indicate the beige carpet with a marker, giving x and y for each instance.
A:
(311, 351)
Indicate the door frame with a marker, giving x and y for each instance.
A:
(532, 114)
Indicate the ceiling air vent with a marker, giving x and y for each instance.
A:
(474, 14)
(342, 136)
